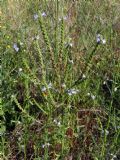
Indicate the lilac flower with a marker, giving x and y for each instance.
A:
(70, 61)
(43, 14)
(88, 94)
(72, 91)
(60, 19)
(65, 17)
(71, 44)
(43, 89)
(50, 85)
(93, 97)
(45, 145)
(57, 122)
(35, 16)
(115, 89)
(16, 48)
(37, 37)
(114, 157)
(83, 76)
(20, 69)
(106, 132)
(103, 41)
(98, 38)
(104, 82)
(63, 85)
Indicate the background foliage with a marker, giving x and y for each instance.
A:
(60, 81)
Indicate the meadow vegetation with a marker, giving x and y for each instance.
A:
(60, 80)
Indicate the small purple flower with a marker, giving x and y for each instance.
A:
(103, 41)
(20, 69)
(43, 89)
(93, 97)
(37, 37)
(43, 14)
(60, 19)
(65, 17)
(70, 61)
(83, 76)
(72, 91)
(35, 16)
(16, 48)
(45, 145)
(98, 38)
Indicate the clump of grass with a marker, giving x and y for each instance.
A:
(60, 81)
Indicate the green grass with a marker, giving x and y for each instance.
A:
(60, 88)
